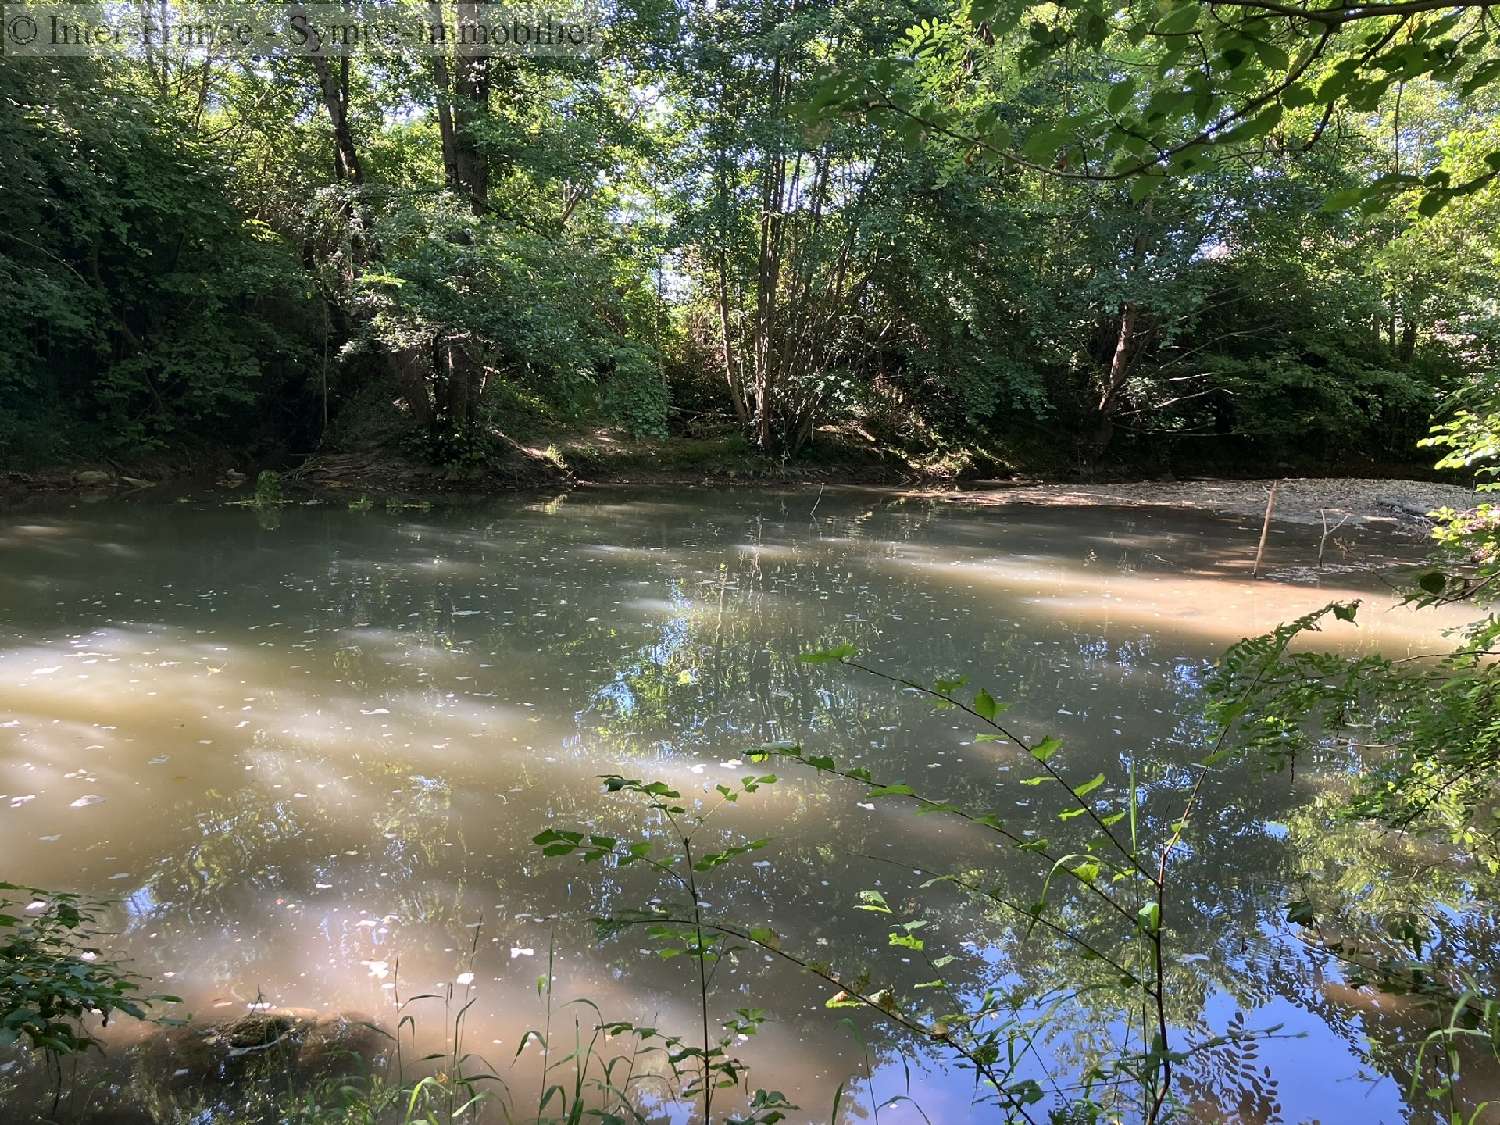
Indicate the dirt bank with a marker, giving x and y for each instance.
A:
(1400, 505)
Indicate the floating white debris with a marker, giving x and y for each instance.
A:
(86, 800)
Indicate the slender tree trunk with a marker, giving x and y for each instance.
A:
(443, 84)
(404, 367)
(334, 89)
(463, 95)
(1112, 393)
(732, 375)
(471, 100)
(773, 197)
(1408, 346)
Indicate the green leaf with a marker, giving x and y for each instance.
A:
(1044, 749)
(1179, 21)
(984, 705)
(1485, 73)
(1042, 144)
(766, 936)
(1300, 912)
(873, 901)
(1120, 95)
(828, 655)
(1142, 187)
(1089, 786)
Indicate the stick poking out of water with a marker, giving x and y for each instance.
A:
(1265, 529)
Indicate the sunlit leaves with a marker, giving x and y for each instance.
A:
(905, 936)
(985, 706)
(560, 842)
(873, 901)
(828, 655)
(1089, 786)
(1046, 748)
(53, 979)
(715, 859)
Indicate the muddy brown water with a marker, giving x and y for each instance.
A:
(307, 753)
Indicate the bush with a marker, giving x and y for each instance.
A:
(52, 977)
(635, 394)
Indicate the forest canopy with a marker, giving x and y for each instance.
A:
(1065, 237)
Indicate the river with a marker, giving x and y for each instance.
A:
(307, 751)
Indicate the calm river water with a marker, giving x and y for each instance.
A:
(308, 753)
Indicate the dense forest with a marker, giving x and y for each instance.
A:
(977, 237)
(1115, 799)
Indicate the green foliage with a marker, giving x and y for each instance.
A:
(141, 311)
(635, 395)
(965, 267)
(1435, 715)
(1429, 729)
(267, 490)
(53, 978)
(683, 930)
(1099, 903)
(1192, 87)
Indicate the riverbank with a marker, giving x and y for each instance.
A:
(602, 458)
(1399, 505)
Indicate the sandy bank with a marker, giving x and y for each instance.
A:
(1398, 504)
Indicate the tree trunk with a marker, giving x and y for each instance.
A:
(334, 89)
(1408, 345)
(410, 378)
(1112, 393)
(404, 366)
(465, 154)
